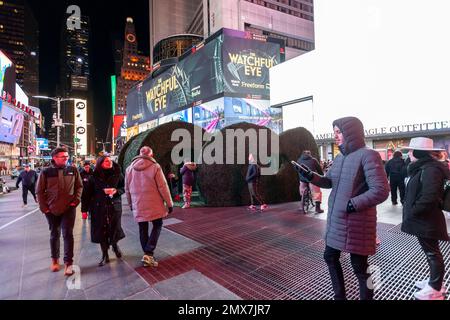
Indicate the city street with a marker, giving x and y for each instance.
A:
(204, 253)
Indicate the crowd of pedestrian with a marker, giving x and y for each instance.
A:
(357, 177)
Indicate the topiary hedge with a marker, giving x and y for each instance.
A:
(224, 185)
(159, 139)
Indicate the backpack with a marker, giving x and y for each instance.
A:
(446, 199)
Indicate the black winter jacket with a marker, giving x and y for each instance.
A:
(395, 168)
(422, 213)
(85, 176)
(253, 173)
(106, 213)
(28, 179)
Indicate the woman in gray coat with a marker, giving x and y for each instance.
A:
(358, 184)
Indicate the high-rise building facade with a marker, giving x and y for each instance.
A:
(173, 17)
(135, 67)
(19, 39)
(74, 80)
(290, 20)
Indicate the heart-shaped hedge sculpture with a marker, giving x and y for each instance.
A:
(223, 185)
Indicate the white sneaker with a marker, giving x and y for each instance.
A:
(24, 205)
(428, 293)
(422, 283)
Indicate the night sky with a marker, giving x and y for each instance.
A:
(107, 23)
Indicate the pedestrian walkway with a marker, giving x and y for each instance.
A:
(204, 253)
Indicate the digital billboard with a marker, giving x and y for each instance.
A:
(5, 64)
(79, 83)
(246, 65)
(80, 128)
(209, 115)
(21, 95)
(11, 124)
(118, 125)
(42, 144)
(253, 111)
(113, 94)
(194, 78)
(230, 63)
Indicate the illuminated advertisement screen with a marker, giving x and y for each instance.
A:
(42, 143)
(21, 95)
(209, 115)
(195, 78)
(80, 128)
(11, 124)
(118, 125)
(5, 63)
(246, 65)
(253, 111)
(228, 64)
(113, 94)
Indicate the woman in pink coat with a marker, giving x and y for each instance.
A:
(149, 198)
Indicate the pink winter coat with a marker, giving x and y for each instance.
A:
(147, 190)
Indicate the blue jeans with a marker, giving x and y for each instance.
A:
(149, 243)
(66, 222)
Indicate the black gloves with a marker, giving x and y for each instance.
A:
(350, 207)
(309, 175)
(170, 209)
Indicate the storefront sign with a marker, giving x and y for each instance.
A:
(409, 128)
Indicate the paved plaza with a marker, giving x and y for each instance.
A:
(204, 254)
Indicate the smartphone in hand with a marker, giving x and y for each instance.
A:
(301, 167)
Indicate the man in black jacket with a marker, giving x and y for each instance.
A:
(316, 193)
(395, 170)
(28, 178)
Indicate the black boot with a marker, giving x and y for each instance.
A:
(117, 251)
(105, 256)
(318, 209)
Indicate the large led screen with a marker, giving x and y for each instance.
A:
(5, 63)
(253, 111)
(193, 79)
(11, 124)
(246, 65)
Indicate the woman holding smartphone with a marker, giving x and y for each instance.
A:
(103, 193)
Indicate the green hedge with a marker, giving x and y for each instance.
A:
(223, 185)
(159, 139)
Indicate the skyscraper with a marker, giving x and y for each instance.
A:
(174, 17)
(135, 67)
(290, 20)
(19, 39)
(74, 78)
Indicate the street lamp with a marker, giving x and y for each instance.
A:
(58, 121)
